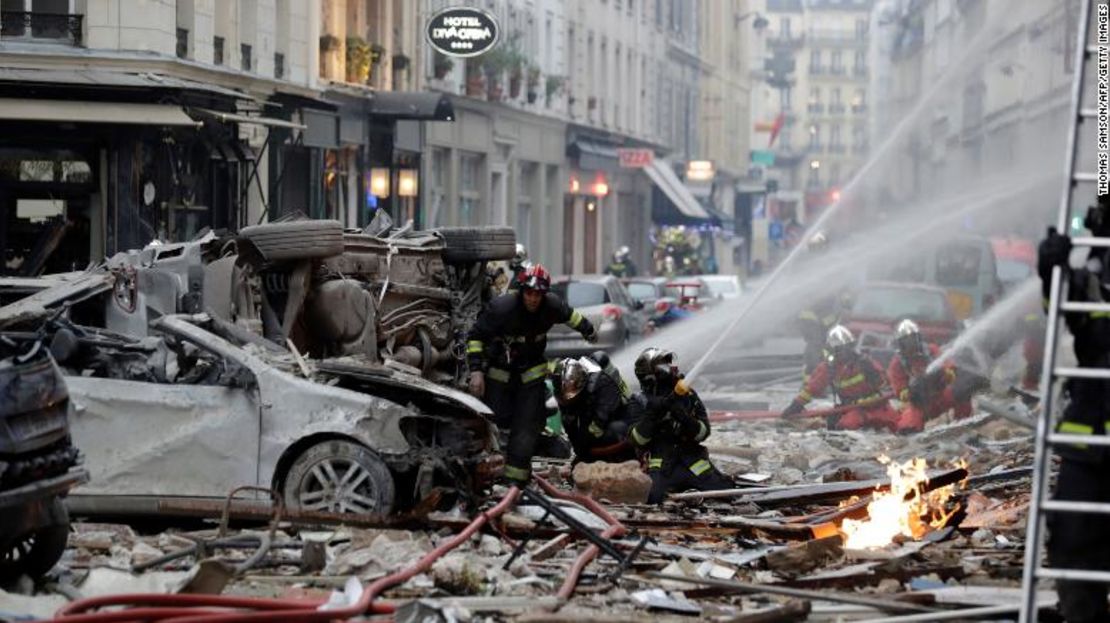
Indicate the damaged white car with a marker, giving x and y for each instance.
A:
(322, 363)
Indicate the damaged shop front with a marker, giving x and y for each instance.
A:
(99, 161)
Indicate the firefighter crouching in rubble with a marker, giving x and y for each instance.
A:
(671, 430)
(506, 348)
(596, 407)
(855, 378)
(925, 395)
(1079, 540)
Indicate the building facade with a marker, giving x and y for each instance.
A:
(131, 122)
(995, 79)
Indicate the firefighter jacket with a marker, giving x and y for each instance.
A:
(509, 339)
(815, 320)
(1088, 413)
(903, 371)
(621, 269)
(671, 428)
(588, 419)
(852, 381)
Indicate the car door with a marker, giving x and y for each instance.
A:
(163, 439)
(633, 318)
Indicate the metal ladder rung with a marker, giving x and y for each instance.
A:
(1067, 506)
(1082, 373)
(1069, 439)
(1085, 307)
(1088, 113)
(1073, 574)
(1090, 241)
(1085, 177)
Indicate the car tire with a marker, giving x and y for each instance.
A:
(478, 244)
(295, 240)
(320, 479)
(35, 554)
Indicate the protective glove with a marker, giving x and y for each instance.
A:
(794, 408)
(1053, 251)
(591, 336)
(477, 384)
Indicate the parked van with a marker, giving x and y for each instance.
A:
(964, 266)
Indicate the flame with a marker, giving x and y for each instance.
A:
(905, 510)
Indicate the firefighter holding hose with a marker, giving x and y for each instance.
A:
(856, 381)
(671, 431)
(924, 395)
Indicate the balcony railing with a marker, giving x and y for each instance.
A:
(860, 72)
(786, 40)
(817, 70)
(815, 108)
(58, 27)
(859, 109)
(838, 70)
(836, 109)
(835, 37)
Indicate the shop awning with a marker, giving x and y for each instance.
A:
(593, 155)
(665, 179)
(231, 117)
(412, 105)
(94, 112)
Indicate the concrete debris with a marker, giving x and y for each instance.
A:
(624, 483)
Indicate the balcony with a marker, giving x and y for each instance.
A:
(837, 109)
(785, 41)
(859, 109)
(861, 72)
(815, 108)
(837, 70)
(818, 70)
(41, 27)
(827, 36)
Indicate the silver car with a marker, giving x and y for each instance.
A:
(606, 302)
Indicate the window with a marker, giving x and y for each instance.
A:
(815, 61)
(182, 43)
(41, 19)
(859, 137)
(894, 304)
(836, 62)
(581, 293)
(527, 183)
(279, 65)
(860, 63)
(218, 50)
(834, 137)
(861, 29)
(470, 174)
(784, 28)
(245, 57)
(815, 136)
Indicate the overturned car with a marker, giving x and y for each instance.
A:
(322, 363)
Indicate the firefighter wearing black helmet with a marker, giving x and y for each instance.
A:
(596, 407)
(1078, 540)
(505, 354)
(671, 431)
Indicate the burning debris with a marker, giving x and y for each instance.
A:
(906, 509)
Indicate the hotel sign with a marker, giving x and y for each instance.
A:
(462, 32)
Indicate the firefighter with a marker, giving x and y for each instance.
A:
(622, 265)
(595, 408)
(671, 429)
(506, 348)
(923, 395)
(814, 323)
(1077, 540)
(856, 380)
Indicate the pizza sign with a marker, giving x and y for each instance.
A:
(635, 158)
(462, 32)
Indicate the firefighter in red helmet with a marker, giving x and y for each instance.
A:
(505, 354)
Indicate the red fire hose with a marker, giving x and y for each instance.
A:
(214, 608)
(615, 529)
(729, 416)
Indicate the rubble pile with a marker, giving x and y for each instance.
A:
(769, 551)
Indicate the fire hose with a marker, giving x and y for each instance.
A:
(214, 608)
(728, 416)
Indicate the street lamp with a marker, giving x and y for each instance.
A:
(379, 182)
(815, 164)
(406, 183)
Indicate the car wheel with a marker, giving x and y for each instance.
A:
(339, 476)
(478, 244)
(35, 553)
(295, 240)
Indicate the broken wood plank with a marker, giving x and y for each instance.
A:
(745, 587)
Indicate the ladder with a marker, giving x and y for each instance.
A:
(1046, 437)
